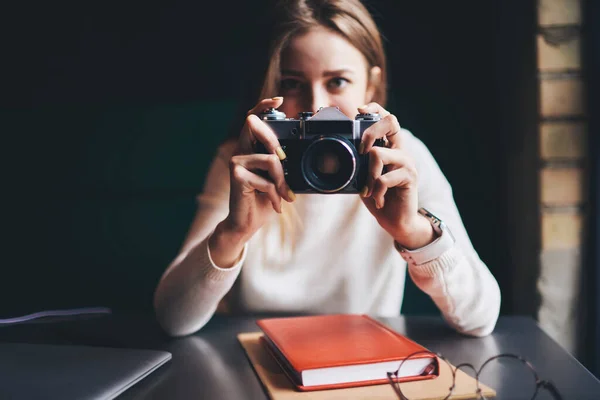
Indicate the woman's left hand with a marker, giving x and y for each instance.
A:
(392, 197)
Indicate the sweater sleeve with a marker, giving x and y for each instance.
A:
(458, 281)
(192, 286)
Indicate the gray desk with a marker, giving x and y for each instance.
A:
(212, 365)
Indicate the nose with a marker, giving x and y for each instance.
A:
(318, 97)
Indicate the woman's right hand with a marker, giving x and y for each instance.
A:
(252, 198)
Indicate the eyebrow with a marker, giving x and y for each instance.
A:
(291, 72)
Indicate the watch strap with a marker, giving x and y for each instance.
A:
(433, 250)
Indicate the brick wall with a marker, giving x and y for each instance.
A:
(562, 167)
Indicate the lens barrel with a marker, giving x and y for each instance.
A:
(329, 164)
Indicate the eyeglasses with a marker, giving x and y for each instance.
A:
(453, 382)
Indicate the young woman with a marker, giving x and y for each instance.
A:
(334, 253)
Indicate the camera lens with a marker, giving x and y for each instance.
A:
(329, 164)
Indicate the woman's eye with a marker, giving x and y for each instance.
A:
(338, 83)
(289, 84)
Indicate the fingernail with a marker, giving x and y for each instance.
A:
(291, 195)
(277, 98)
(361, 148)
(377, 206)
(280, 153)
(364, 191)
(361, 107)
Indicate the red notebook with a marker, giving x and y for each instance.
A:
(343, 350)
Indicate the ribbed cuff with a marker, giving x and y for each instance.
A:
(442, 264)
(209, 269)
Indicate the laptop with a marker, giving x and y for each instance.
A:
(44, 371)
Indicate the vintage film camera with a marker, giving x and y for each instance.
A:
(322, 149)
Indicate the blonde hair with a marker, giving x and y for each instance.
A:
(351, 20)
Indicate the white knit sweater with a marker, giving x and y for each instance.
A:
(339, 261)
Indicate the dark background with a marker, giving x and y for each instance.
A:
(591, 59)
(111, 113)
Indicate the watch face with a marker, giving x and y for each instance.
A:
(437, 223)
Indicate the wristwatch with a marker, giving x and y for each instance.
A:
(444, 241)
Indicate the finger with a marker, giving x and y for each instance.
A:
(398, 178)
(251, 182)
(269, 163)
(255, 130)
(388, 127)
(380, 157)
(264, 104)
(373, 108)
(247, 141)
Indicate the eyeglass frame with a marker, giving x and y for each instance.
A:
(539, 383)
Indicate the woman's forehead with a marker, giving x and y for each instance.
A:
(321, 50)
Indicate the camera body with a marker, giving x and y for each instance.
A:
(322, 149)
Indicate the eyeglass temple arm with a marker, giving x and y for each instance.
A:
(549, 386)
(400, 395)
